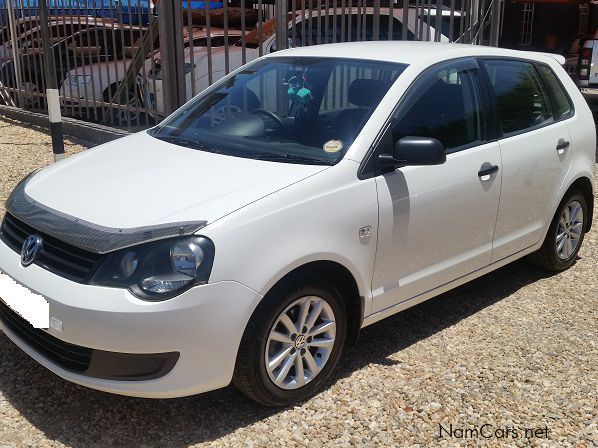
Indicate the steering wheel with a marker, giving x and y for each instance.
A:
(271, 115)
(224, 113)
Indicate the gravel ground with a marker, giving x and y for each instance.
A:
(516, 348)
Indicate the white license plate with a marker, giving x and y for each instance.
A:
(30, 306)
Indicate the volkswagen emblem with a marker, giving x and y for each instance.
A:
(31, 247)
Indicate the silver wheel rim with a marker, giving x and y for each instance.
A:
(30, 89)
(131, 114)
(300, 342)
(569, 230)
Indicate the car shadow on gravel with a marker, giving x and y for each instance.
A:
(79, 417)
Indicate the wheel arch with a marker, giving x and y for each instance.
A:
(340, 277)
(584, 185)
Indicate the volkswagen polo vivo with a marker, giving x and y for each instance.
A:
(310, 193)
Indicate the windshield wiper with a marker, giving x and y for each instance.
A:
(187, 142)
(285, 158)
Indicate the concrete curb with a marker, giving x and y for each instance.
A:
(95, 134)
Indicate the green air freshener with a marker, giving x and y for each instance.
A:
(292, 92)
(304, 95)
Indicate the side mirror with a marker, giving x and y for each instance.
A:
(414, 151)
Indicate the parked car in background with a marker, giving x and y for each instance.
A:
(588, 63)
(573, 53)
(316, 27)
(85, 87)
(199, 59)
(29, 49)
(107, 42)
(252, 234)
(587, 72)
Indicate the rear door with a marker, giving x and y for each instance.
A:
(535, 148)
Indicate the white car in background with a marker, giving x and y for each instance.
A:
(88, 86)
(315, 191)
(197, 59)
(311, 28)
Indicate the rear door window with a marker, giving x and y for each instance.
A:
(521, 98)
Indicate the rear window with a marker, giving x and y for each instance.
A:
(563, 104)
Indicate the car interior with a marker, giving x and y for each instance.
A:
(292, 108)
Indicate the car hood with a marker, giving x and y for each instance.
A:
(141, 181)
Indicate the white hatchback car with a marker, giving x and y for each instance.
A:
(309, 194)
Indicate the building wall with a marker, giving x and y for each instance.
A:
(555, 26)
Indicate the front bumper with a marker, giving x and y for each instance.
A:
(204, 324)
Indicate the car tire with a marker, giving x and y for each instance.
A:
(556, 254)
(304, 350)
(123, 117)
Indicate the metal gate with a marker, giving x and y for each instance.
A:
(128, 63)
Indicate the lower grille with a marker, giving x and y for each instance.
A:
(68, 356)
(56, 256)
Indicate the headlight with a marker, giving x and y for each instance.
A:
(159, 270)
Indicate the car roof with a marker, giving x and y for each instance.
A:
(410, 52)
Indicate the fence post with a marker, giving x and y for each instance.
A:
(280, 12)
(52, 98)
(14, 38)
(170, 28)
(495, 23)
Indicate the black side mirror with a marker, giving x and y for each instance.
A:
(414, 151)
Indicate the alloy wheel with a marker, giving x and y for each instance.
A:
(300, 342)
(569, 230)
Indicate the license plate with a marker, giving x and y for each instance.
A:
(30, 306)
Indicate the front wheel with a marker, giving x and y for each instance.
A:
(565, 235)
(291, 344)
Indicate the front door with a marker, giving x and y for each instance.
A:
(436, 223)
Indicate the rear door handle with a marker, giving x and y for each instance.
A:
(562, 145)
(485, 173)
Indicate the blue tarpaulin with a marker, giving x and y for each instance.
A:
(134, 12)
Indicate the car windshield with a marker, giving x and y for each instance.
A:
(284, 109)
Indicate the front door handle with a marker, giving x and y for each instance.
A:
(562, 145)
(485, 173)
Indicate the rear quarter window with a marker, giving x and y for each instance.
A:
(562, 102)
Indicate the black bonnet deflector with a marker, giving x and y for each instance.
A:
(87, 235)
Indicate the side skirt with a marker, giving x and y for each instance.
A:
(382, 314)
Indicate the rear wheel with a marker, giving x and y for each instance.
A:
(292, 344)
(565, 235)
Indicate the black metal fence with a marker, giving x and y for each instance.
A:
(128, 63)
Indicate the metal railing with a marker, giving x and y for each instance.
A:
(129, 63)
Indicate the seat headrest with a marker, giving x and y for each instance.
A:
(366, 92)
